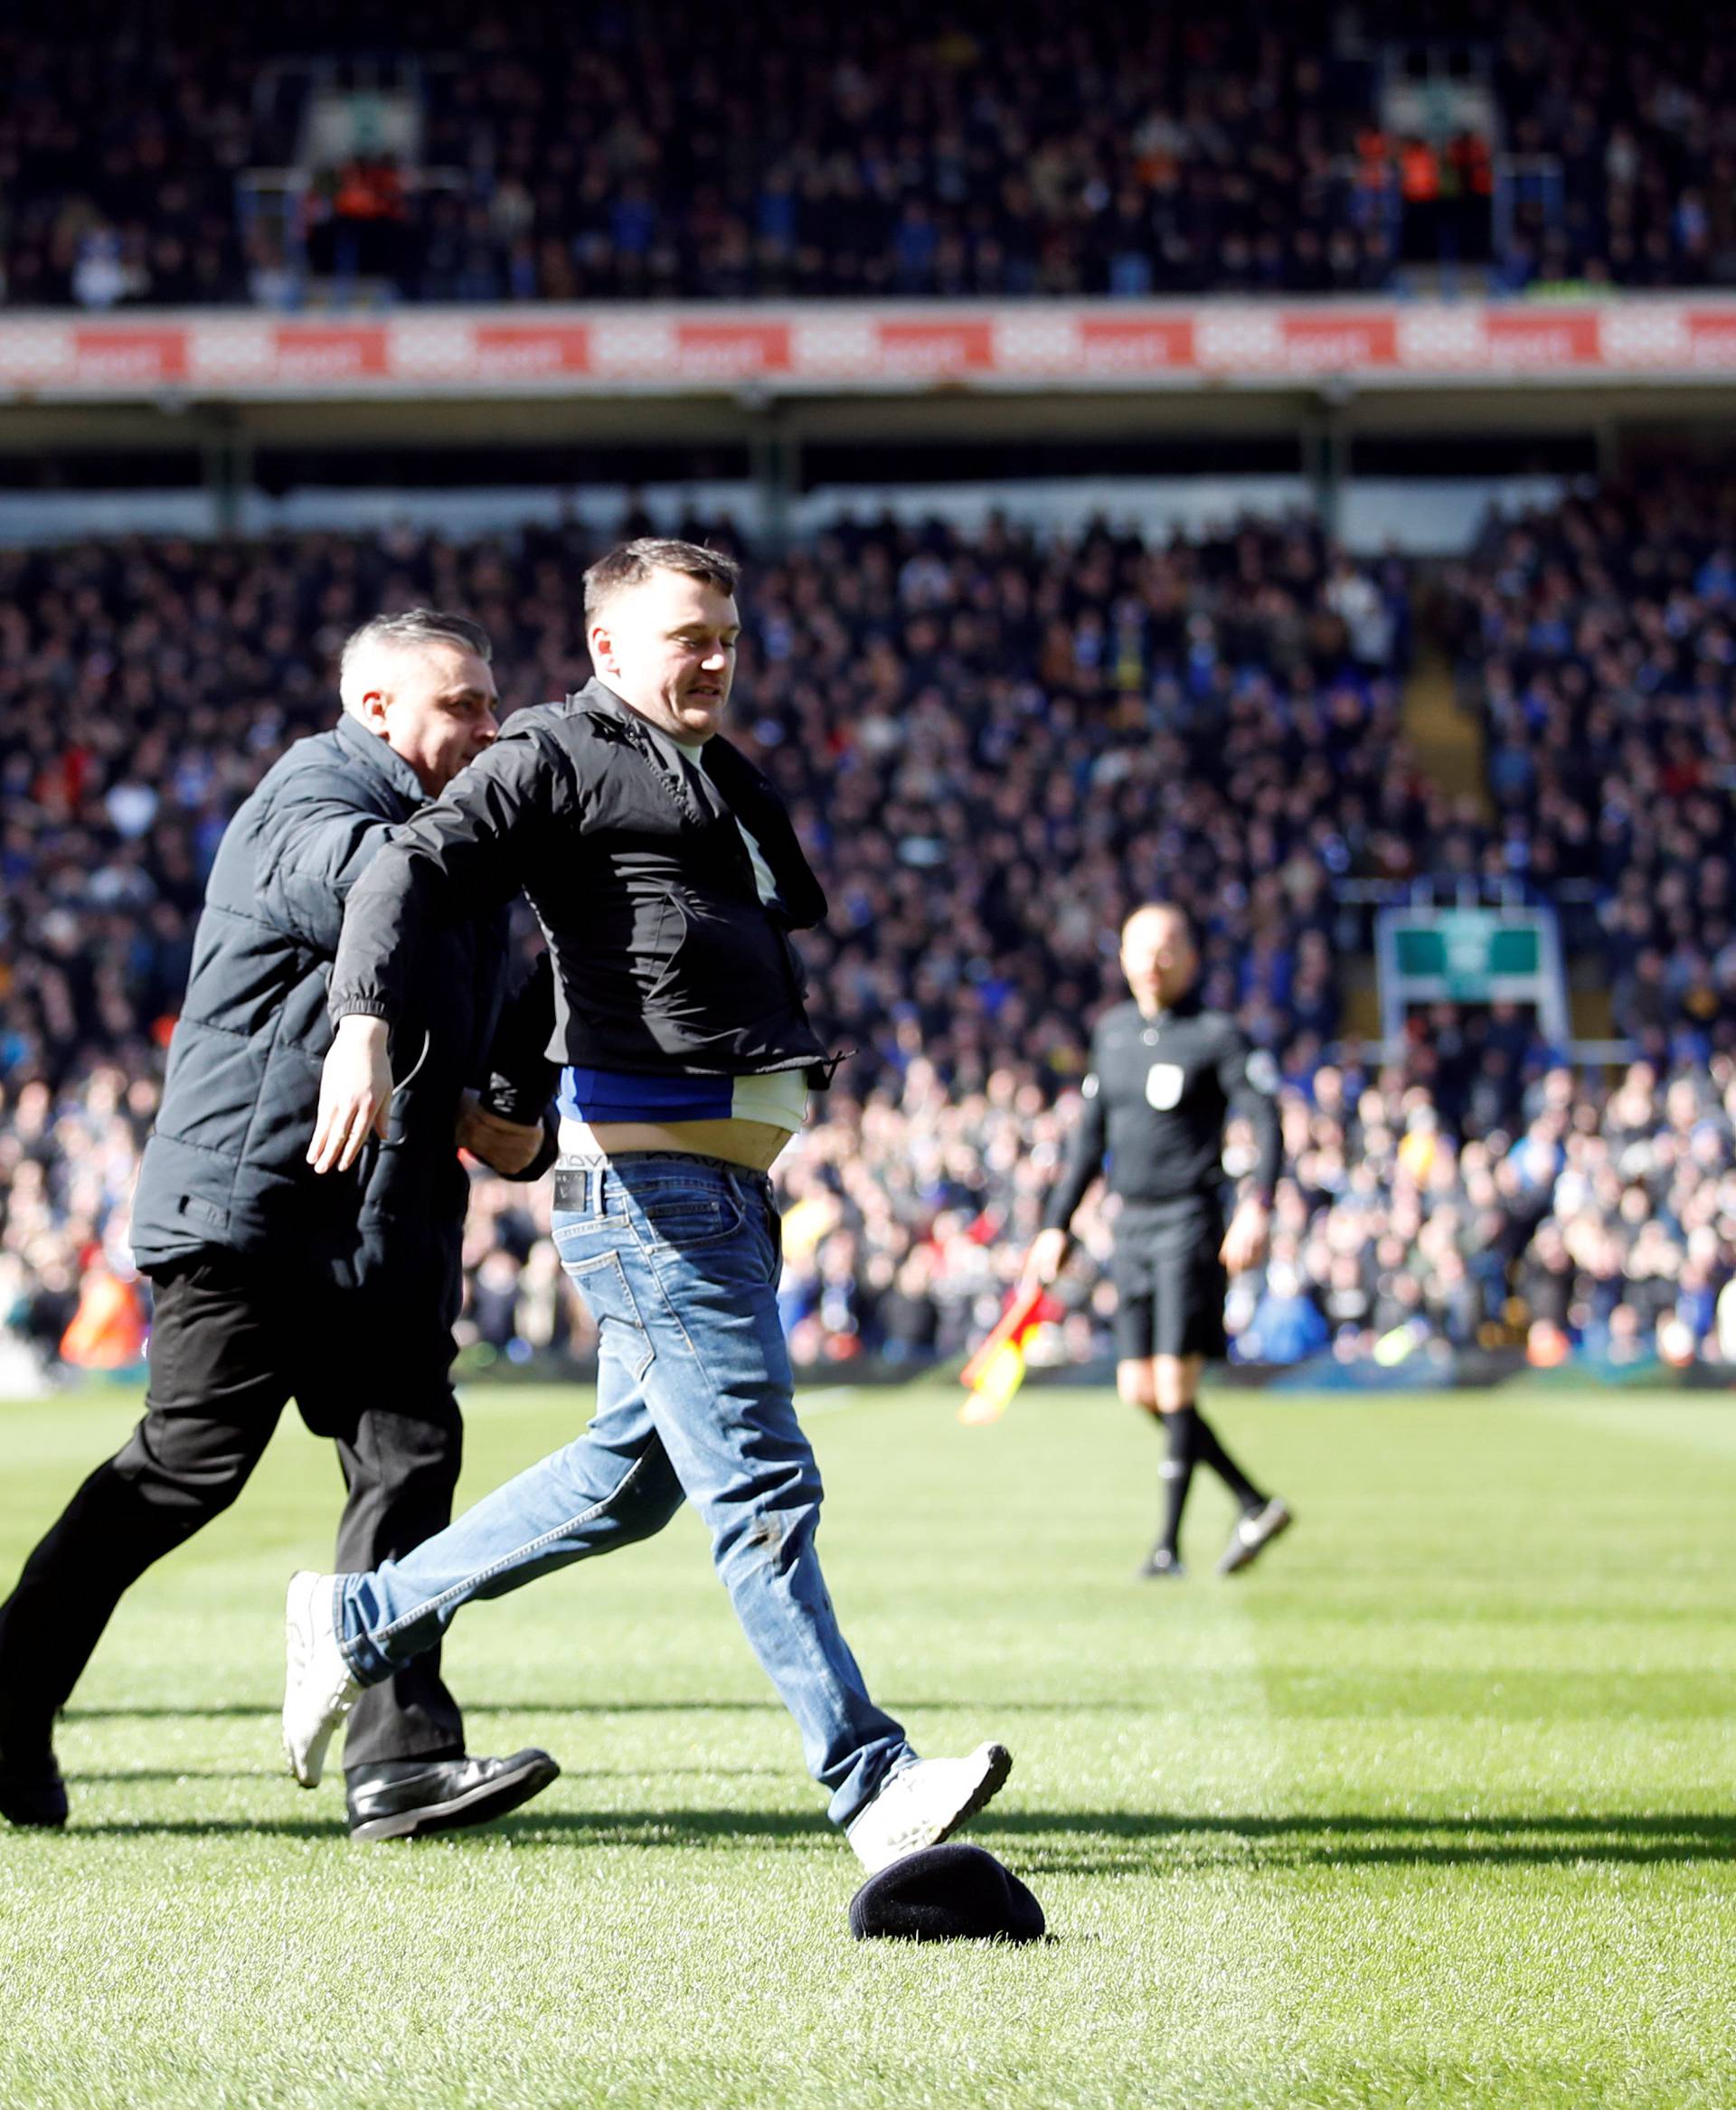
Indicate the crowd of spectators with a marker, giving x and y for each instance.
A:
(1599, 1222)
(119, 151)
(1590, 1219)
(1599, 643)
(1633, 114)
(1024, 149)
(992, 746)
(1560, 1217)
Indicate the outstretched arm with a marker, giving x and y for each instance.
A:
(511, 1125)
(463, 853)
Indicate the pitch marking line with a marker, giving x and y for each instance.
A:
(825, 1399)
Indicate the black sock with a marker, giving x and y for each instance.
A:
(1209, 1451)
(1181, 1429)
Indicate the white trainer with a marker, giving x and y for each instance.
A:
(318, 1690)
(926, 1802)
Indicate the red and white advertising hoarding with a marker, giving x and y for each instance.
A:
(855, 348)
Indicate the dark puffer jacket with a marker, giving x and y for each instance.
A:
(226, 1165)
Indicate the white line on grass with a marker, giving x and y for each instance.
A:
(1687, 1421)
(825, 1399)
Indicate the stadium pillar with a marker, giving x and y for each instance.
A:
(1326, 451)
(776, 457)
(228, 468)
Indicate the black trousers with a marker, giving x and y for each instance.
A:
(232, 1342)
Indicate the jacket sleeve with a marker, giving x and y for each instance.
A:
(316, 843)
(1084, 1159)
(522, 1079)
(547, 1154)
(1249, 1079)
(463, 853)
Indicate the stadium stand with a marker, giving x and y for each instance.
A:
(1001, 710)
(1024, 150)
(993, 745)
(968, 696)
(1597, 642)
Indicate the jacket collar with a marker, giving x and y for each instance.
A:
(1186, 1005)
(651, 741)
(744, 791)
(373, 751)
(597, 695)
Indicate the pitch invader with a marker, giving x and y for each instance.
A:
(1165, 1075)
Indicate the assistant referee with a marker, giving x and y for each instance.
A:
(1166, 1075)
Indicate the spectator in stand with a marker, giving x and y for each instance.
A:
(884, 1259)
(1115, 151)
(1003, 709)
(990, 745)
(1597, 642)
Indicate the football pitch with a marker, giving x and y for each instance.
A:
(1436, 1804)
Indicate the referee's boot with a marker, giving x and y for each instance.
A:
(33, 1794)
(1162, 1564)
(1254, 1532)
(409, 1798)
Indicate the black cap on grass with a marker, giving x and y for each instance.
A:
(945, 1894)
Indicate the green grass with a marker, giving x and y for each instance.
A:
(1437, 1805)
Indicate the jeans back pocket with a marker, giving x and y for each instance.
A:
(687, 1218)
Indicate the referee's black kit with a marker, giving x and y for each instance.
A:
(1159, 1092)
(1155, 1102)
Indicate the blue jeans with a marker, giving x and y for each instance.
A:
(677, 1259)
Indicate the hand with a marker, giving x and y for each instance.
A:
(354, 1092)
(1043, 1263)
(1244, 1243)
(506, 1146)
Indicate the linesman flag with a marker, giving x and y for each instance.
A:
(996, 1371)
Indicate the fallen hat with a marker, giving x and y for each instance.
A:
(945, 1894)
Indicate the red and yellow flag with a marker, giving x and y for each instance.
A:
(996, 1371)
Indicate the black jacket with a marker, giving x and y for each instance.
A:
(1155, 1102)
(666, 962)
(226, 1165)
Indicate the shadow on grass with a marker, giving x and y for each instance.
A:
(81, 1778)
(1086, 1841)
(520, 1704)
(1073, 1842)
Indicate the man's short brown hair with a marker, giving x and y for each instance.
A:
(632, 563)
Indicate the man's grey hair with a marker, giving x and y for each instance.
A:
(414, 627)
(632, 563)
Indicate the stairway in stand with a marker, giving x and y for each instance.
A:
(1445, 738)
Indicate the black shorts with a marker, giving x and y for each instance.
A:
(1169, 1281)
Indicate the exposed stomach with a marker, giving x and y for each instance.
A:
(754, 1143)
(744, 1120)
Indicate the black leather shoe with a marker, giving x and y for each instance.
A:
(32, 1791)
(410, 1797)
